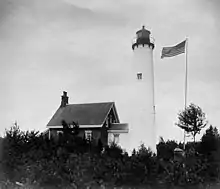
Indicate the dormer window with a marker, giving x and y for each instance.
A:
(139, 76)
(111, 120)
(107, 122)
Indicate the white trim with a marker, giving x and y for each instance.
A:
(107, 114)
(113, 108)
(80, 126)
(59, 132)
(118, 131)
(122, 124)
(49, 134)
(115, 112)
(55, 127)
(90, 126)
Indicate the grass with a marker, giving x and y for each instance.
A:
(9, 185)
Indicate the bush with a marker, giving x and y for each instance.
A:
(29, 157)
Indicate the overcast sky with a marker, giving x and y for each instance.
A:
(84, 47)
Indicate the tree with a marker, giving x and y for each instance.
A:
(209, 141)
(210, 149)
(1, 148)
(165, 149)
(70, 129)
(192, 120)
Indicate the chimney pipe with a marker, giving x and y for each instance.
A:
(64, 99)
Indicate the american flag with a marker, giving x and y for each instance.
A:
(174, 51)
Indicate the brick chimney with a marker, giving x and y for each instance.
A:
(64, 99)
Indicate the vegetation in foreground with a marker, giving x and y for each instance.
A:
(28, 158)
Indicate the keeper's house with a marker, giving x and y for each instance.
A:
(96, 120)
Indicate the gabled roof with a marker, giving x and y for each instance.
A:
(85, 114)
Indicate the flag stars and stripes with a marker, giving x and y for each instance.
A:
(174, 51)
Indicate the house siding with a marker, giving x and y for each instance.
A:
(97, 133)
(104, 135)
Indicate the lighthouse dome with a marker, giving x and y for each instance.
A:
(143, 33)
(143, 37)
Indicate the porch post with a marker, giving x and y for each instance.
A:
(116, 138)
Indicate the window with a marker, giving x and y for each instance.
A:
(110, 118)
(59, 133)
(107, 122)
(139, 34)
(88, 135)
(139, 76)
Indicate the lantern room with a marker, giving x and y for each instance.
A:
(143, 38)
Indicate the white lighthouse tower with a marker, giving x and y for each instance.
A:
(143, 106)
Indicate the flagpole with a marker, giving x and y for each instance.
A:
(154, 116)
(186, 85)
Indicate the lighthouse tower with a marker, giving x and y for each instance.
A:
(143, 122)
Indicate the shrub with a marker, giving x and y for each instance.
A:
(29, 157)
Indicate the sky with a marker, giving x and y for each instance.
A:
(84, 48)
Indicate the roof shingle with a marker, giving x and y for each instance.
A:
(84, 114)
